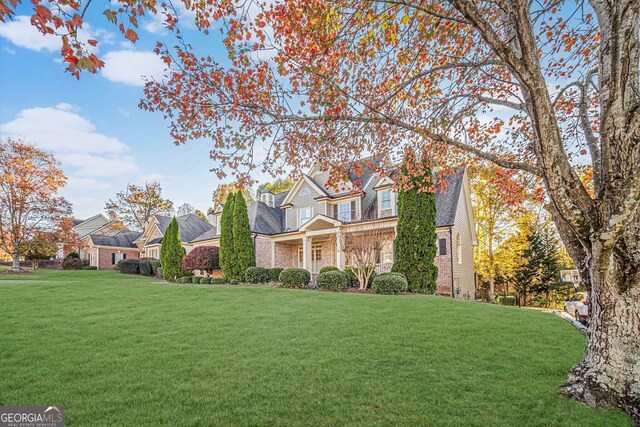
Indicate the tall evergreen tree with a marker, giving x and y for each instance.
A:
(226, 237)
(172, 252)
(415, 244)
(244, 252)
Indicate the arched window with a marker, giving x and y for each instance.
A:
(304, 192)
(459, 248)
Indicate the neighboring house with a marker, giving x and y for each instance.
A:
(83, 228)
(570, 275)
(302, 227)
(105, 251)
(149, 241)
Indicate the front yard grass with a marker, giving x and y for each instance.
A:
(131, 350)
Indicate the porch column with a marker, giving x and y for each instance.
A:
(306, 252)
(339, 256)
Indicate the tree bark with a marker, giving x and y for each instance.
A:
(15, 256)
(609, 374)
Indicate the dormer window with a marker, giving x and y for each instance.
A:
(268, 199)
(305, 192)
(385, 200)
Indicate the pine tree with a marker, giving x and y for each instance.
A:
(227, 250)
(415, 244)
(172, 252)
(244, 252)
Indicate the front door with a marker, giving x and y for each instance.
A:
(316, 259)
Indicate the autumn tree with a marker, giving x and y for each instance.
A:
(29, 181)
(498, 197)
(40, 246)
(344, 77)
(276, 186)
(137, 204)
(223, 191)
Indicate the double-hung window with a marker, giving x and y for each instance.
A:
(304, 215)
(385, 200)
(344, 211)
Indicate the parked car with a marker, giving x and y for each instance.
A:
(578, 306)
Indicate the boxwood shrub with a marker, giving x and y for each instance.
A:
(184, 279)
(506, 300)
(145, 267)
(196, 279)
(389, 283)
(294, 277)
(217, 280)
(129, 266)
(205, 280)
(256, 275)
(72, 263)
(332, 280)
(328, 268)
(274, 274)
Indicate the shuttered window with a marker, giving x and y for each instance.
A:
(443, 246)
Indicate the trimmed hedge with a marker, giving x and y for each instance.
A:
(294, 277)
(332, 280)
(389, 284)
(217, 280)
(205, 280)
(196, 280)
(89, 267)
(154, 263)
(129, 266)
(234, 282)
(256, 275)
(71, 263)
(328, 268)
(184, 279)
(274, 273)
(145, 267)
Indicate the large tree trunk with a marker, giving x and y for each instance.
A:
(15, 256)
(609, 374)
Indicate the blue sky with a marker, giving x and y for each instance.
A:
(94, 125)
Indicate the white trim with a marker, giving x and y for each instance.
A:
(318, 217)
(467, 196)
(296, 187)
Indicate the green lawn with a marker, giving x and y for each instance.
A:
(130, 350)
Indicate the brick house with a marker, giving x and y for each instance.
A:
(105, 251)
(303, 227)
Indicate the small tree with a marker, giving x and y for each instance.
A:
(172, 252)
(226, 237)
(202, 258)
(244, 252)
(415, 244)
(362, 249)
(29, 181)
(41, 246)
(137, 204)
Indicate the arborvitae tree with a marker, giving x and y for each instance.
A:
(172, 253)
(226, 236)
(415, 244)
(244, 252)
(540, 272)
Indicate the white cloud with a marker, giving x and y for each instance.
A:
(132, 67)
(99, 166)
(155, 23)
(61, 130)
(22, 33)
(77, 183)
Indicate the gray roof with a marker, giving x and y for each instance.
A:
(77, 221)
(122, 239)
(155, 241)
(447, 199)
(191, 226)
(264, 219)
(207, 235)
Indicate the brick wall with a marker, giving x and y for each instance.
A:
(104, 258)
(443, 262)
(263, 252)
(286, 255)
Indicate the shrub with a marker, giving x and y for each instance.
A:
(256, 275)
(50, 263)
(129, 266)
(158, 272)
(506, 300)
(172, 252)
(72, 264)
(332, 280)
(205, 258)
(274, 274)
(184, 279)
(205, 280)
(389, 283)
(88, 267)
(328, 268)
(234, 282)
(294, 277)
(153, 263)
(217, 280)
(72, 255)
(196, 280)
(352, 278)
(145, 267)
